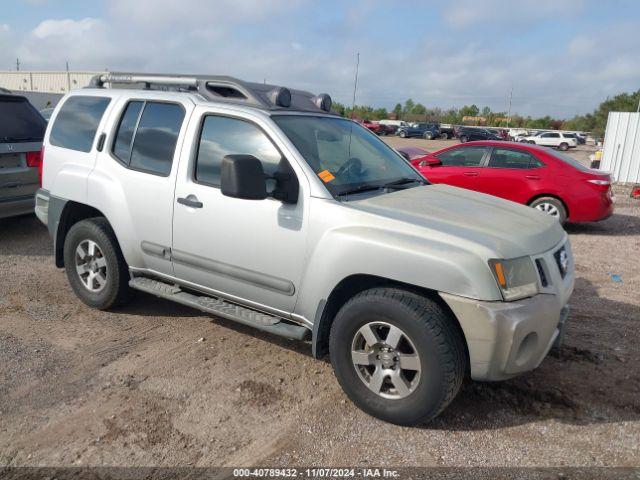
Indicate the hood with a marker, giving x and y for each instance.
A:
(506, 228)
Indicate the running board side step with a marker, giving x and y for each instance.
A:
(221, 308)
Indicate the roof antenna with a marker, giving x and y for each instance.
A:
(353, 103)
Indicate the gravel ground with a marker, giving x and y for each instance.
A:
(155, 383)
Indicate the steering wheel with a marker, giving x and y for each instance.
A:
(351, 169)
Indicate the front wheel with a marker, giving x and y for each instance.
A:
(95, 267)
(398, 355)
(464, 139)
(402, 134)
(563, 146)
(428, 136)
(552, 207)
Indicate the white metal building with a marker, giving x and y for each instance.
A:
(45, 82)
(621, 153)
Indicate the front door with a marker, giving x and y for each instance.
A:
(461, 167)
(250, 251)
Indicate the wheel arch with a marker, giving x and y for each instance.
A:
(72, 213)
(350, 286)
(551, 195)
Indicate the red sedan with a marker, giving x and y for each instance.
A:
(551, 181)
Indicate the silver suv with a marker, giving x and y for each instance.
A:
(255, 203)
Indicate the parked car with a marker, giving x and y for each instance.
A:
(544, 179)
(560, 140)
(579, 139)
(376, 127)
(409, 287)
(447, 131)
(21, 133)
(424, 130)
(467, 134)
(46, 113)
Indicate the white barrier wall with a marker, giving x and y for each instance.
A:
(47, 82)
(621, 153)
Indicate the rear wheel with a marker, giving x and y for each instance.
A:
(428, 135)
(464, 139)
(397, 355)
(95, 267)
(402, 134)
(552, 207)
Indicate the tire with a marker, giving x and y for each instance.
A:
(563, 146)
(464, 139)
(428, 136)
(104, 281)
(425, 329)
(402, 134)
(444, 136)
(551, 206)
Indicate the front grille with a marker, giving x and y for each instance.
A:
(543, 276)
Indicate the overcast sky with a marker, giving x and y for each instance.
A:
(561, 57)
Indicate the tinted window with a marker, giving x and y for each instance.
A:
(463, 157)
(507, 158)
(222, 136)
(155, 139)
(19, 121)
(124, 137)
(77, 121)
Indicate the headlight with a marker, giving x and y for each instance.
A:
(517, 278)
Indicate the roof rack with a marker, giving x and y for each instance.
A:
(220, 88)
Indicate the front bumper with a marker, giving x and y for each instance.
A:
(505, 339)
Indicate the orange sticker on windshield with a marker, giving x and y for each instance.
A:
(326, 176)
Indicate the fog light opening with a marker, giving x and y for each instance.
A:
(527, 349)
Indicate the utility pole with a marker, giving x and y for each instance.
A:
(509, 114)
(17, 64)
(355, 85)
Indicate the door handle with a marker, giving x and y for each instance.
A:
(532, 177)
(190, 201)
(471, 174)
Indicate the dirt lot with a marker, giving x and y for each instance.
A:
(159, 384)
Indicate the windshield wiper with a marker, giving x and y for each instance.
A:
(360, 188)
(401, 182)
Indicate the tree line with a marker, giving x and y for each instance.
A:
(594, 122)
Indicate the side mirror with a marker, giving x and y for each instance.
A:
(242, 176)
(430, 162)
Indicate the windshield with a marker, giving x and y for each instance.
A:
(344, 155)
(19, 121)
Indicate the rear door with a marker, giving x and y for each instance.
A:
(21, 133)
(461, 167)
(549, 139)
(512, 174)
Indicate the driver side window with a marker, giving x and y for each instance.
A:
(222, 136)
(463, 157)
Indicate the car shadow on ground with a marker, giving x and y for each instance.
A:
(616, 225)
(24, 235)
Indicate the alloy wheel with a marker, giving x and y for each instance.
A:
(386, 360)
(91, 266)
(549, 209)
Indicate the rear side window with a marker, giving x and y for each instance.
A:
(515, 159)
(19, 121)
(147, 136)
(463, 157)
(77, 122)
(223, 136)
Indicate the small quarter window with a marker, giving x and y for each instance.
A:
(77, 122)
(124, 137)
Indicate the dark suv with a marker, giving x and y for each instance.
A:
(21, 133)
(424, 130)
(467, 134)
